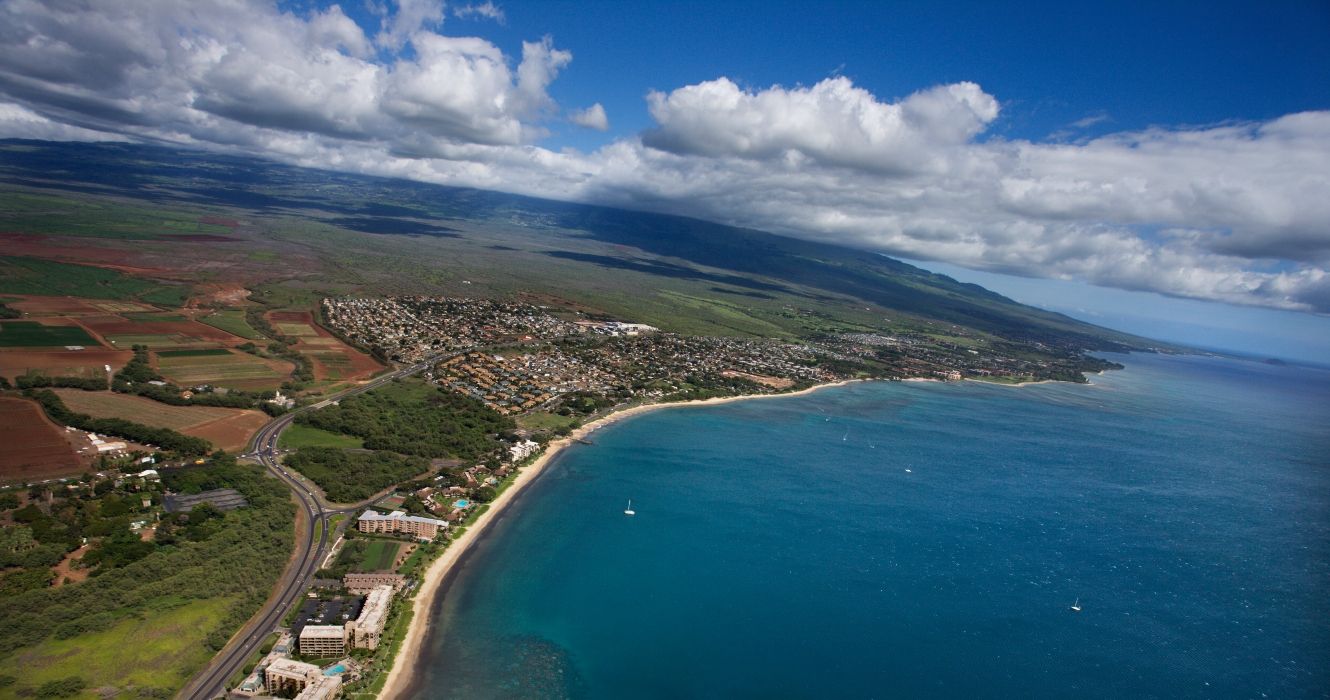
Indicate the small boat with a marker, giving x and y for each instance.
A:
(629, 510)
(909, 471)
(845, 437)
(1076, 607)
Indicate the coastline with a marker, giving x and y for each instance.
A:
(400, 679)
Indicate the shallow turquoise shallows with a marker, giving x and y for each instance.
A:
(920, 540)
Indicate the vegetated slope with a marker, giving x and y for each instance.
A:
(736, 262)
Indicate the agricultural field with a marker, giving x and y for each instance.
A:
(222, 367)
(32, 448)
(90, 362)
(296, 436)
(23, 275)
(226, 428)
(380, 555)
(333, 360)
(124, 333)
(232, 321)
(73, 306)
(31, 334)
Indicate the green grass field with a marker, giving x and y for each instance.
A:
(40, 213)
(297, 435)
(30, 334)
(203, 352)
(43, 277)
(159, 650)
(232, 321)
(379, 556)
(543, 420)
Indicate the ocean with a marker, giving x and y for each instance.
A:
(920, 540)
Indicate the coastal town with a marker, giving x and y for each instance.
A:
(410, 465)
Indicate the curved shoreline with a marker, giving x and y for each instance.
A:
(400, 679)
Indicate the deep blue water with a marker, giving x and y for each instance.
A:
(781, 548)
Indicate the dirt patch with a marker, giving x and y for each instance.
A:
(32, 448)
(65, 571)
(218, 294)
(773, 382)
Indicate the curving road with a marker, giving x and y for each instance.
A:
(311, 549)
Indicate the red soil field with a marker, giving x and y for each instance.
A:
(76, 250)
(231, 434)
(361, 366)
(118, 325)
(33, 448)
(55, 306)
(71, 363)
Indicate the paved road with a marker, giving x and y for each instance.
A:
(310, 550)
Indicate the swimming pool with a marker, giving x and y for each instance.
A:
(461, 503)
(337, 670)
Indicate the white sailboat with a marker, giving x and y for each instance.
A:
(629, 510)
(1076, 607)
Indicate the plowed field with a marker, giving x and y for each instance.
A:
(33, 448)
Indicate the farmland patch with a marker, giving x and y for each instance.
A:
(223, 368)
(91, 362)
(32, 334)
(226, 428)
(33, 448)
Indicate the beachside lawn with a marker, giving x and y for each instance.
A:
(296, 436)
(30, 334)
(544, 420)
(379, 556)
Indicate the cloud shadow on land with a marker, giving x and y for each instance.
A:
(664, 269)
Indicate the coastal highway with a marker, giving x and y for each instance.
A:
(311, 549)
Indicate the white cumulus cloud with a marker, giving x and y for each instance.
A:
(1236, 212)
(592, 117)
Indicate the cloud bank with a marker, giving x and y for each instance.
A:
(1238, 213)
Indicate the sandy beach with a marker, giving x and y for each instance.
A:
(399, 678)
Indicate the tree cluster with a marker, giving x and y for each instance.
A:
(347, 476)
(416, 419)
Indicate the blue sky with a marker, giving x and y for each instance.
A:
(1051, 63)
(1163, 164)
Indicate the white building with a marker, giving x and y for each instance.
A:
(363, 632)
(399, 521)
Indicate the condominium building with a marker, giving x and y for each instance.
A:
(363, 632)
(399, 521)
(362, 584)
(307, 680)
(325, 641)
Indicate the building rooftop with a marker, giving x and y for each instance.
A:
(401, 516)
(322, 632)
(221, 499)
(291, 667)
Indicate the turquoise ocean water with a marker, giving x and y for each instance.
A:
(920, 540)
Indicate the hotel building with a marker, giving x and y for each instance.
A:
(399, 521)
